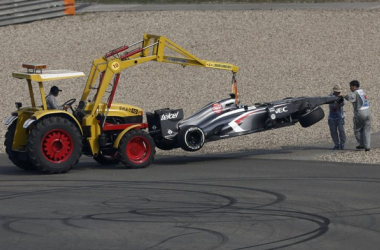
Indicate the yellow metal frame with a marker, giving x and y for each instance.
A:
(112, 66)
(21, 137)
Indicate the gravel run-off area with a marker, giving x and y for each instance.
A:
(280, 54)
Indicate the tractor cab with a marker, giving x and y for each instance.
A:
(37, 73)
(26, 116)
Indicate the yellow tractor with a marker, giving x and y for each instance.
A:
(53, 140)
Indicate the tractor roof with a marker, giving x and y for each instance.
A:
(48, 75)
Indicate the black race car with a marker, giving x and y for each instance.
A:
(227, 118)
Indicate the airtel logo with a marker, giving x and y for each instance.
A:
(169, 116)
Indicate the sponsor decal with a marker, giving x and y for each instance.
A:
(217, 108)
(281, 110)
(169, 116)
(115, 65)
(176, 60)
(218, 65)
(131, 110)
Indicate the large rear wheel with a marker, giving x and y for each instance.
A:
(54, 145)
(136, 149)
(20, 159)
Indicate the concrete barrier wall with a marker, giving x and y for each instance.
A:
(23, 11)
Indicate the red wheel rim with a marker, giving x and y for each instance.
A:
(138, 149)
(57, 146)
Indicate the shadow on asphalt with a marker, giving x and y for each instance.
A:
(284, 153)
(7, 168)
(185, 159)
(15, 171)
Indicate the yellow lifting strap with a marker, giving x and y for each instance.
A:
(235, 90)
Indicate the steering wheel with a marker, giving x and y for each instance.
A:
(69, 103)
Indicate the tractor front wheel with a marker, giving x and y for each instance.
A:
(54, 145)
(136, 149)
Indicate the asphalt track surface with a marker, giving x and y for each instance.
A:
(192, 202)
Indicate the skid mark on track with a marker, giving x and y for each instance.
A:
(215, 215)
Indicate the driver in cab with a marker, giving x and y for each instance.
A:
(51, 101)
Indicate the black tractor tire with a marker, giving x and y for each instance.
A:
(108, 157)
(14, 156)
(165, 144)
(136, 149)
(191, 138)
(311, 117)
(54, 145)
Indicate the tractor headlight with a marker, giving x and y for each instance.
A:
(28, 122)
(10, 119)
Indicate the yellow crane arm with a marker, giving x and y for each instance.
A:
(153, 49)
